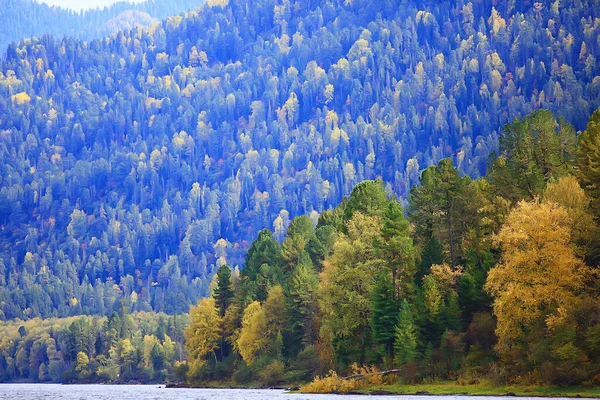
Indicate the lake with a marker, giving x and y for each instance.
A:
(153, 392)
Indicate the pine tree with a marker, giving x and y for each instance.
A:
(368, 198)
(385, 314)
(405, 341)
(397, 249)
(432, 254)
(223, 293)
(588, 160)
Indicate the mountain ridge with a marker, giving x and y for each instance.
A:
(24, 19)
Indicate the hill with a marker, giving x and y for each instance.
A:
(141, 162)
(21, 19)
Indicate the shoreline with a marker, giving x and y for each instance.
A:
(424, 390)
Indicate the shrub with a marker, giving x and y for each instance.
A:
(306, 365)
(242, 374)
(332, 383)
(272, 374)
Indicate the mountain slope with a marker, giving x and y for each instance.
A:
(141, 162)
(22, 19)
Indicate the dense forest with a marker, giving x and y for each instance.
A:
(139, 347)
(21, 19)
(488, 279)
(138, 164)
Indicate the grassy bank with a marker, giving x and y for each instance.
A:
(453, 388)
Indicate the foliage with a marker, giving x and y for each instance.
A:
(136, 165)
(537, 285)
(203, 334)
(369, 304)
(89, 349)
(405, 339)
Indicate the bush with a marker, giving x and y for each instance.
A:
(332, 383)
(243, 374)
(224, 369)
(272, 374)
(180, 370)
(306, 365)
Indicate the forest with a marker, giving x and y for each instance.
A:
(491, 279)
(477, 280)
(123, 347)
(136, 165)
(21, 19)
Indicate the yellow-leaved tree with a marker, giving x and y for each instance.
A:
(261, 328)
(537, 285)
(567, 193)
(203, 335)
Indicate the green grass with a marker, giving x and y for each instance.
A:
(454, 388)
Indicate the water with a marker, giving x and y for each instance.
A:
(153, 392)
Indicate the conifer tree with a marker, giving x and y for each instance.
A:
(385, 314)
(405, 341)
(223, 293)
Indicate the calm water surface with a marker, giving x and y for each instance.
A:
(149, 392)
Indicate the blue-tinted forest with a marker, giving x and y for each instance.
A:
(137, 164)
(22, 19)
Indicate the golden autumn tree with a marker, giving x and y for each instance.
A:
(537, 283)
(261, 328)
(567, 193)
(203, 335)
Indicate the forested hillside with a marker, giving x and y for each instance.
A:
(138, 164)
(22, 19)
(488, 281)
(481, 281)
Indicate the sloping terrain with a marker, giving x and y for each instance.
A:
(143, 161)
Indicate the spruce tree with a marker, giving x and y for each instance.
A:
(385, 314)
(223, 293)
(405, 344)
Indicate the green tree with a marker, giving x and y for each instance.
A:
(385, 314)
(588, 160)
(264, 250)
(397, 249)
(405, 336)
(441, 207)
(533, 150)
(298, 235)
(346, 286)
(368, 197)
(303, 295)
(223, 293)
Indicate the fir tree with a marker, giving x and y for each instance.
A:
(385, 314)
(405, 341)
(223, 293)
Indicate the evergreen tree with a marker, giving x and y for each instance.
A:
(432, 254)
(368, 198)
(397, 249)
(223, 293)
(405, 340)
(385, 314)
(534, 150)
